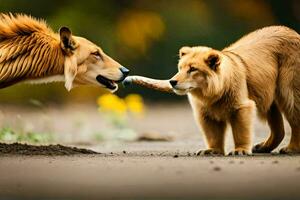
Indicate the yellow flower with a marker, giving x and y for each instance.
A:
(112, 103)
(135, 103)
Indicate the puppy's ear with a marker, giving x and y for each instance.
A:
(70, 71)
(213, 60)
(67, 42)
(183, 51)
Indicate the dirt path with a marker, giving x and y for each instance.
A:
(143, 169)
(132, 176)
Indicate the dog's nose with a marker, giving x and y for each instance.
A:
(173, 82)
(124, 70)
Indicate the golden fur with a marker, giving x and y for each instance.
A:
(262, 69)
(161, 85)
(31, 51)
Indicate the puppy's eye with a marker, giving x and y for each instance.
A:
(192, 69)
(97, 55)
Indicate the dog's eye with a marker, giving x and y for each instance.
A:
(97, 55)
(192, 69)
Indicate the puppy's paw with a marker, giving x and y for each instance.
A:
(289, 150)
(240, 152)
(261, 148)
(210, 152)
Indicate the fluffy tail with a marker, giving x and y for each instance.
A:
(160, 85)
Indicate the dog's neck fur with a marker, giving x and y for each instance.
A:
(30, 53)
(48, 67)
(48, 79)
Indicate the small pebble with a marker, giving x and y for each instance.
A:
(211, 162)
(231, 162)
(217, 168)
(275, 162)
(124, 152)
(175, 156)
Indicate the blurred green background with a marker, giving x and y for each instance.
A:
(146, 35)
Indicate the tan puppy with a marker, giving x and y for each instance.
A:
(262, 69)
(30, 51)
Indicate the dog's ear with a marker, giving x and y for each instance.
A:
(68, 45)
(67, 42)
(70, 71)
(213, 60)
(183, 51)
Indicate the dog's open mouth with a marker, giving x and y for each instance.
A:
(110, 84)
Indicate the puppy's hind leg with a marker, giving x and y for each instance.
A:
(275, 122)
(289, 99)
(294, 145)
(214, 132)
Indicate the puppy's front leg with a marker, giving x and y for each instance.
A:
(241, 122)
(214, 132)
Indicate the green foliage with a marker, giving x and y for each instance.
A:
(9, 135)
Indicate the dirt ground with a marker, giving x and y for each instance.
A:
(139, 170)
(154, 177)
(46, 150)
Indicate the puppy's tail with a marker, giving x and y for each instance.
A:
(160, 85)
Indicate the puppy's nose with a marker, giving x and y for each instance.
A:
(173, 82)
(124, 70)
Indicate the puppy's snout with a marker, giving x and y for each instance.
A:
(173, 83)
(124, 71)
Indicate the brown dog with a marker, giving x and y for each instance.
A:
(262, 69)
(30, 51)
